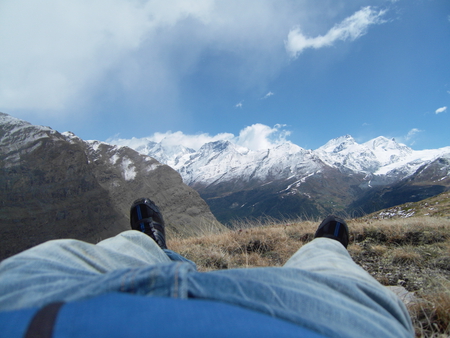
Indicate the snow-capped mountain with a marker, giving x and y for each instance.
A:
(368, 157)
(332, 177)
(167, 154)
(222, 161)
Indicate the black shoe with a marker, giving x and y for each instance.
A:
(145, 217)
(335, 228)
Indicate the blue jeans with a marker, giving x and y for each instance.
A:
(320, 287)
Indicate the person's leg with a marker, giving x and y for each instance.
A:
(67, 269)
(327, 256)
(320, 288)
(59, 266)
(327, 253)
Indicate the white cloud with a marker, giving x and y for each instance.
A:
(412, 133)
(189, 141)
(239, 105)
(172, 139)
(259, 136)
(59, 54)
(441, 110)
(55, 50)
(269, 94)
(255, 137)
(409, 138)
(351, 28)
(60, 57)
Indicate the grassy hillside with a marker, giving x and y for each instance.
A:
(412, 252)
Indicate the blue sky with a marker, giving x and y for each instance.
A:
(304, 70)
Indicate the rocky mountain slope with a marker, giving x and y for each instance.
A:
(288, 181)
(56, 185)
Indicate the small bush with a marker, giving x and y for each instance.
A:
(406, 255)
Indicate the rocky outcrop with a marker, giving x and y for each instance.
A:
(55, 185)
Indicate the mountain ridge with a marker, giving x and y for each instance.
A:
(382, 154)
(337, 177)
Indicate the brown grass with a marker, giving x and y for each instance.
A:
(431, 312)
(246, 246)
(413, 253)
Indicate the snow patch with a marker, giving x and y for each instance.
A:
(153, 166)
(128, 169)
(113, 160)
(291, 185)
(396, 212)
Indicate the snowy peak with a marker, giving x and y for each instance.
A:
(224, 161)
(379, 145)
(216, 147)
(20, 139)
(222, 146)
(16, 132)
(12, 125)
(345, 153)
(339, 145)
(387, 150)
(167, 154)
(382, 142)
(289, 148)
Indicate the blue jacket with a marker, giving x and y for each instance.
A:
(125, 315)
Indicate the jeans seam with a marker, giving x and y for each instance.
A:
(128, 287)
(175, 295)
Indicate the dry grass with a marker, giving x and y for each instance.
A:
(406, 255)
(431, 312)
(413, 253)
(245, 246)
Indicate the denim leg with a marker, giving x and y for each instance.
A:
(327, 256)
(319, 288)
(176, 257)
(39, 272)
(136, 245)
(130, 249)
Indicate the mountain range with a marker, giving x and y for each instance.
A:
(287, 181)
